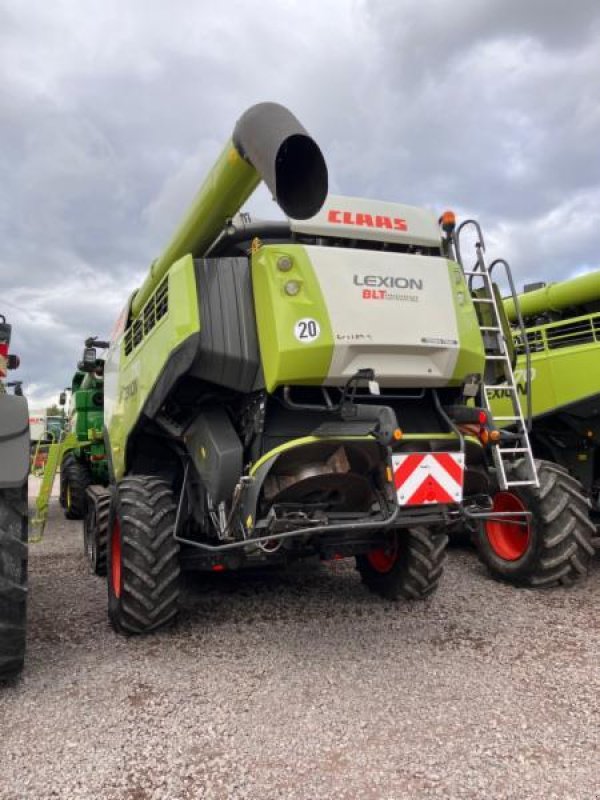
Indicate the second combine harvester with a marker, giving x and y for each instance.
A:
(310, 386)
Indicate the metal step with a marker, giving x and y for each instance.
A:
(477, 273)
(513, 449)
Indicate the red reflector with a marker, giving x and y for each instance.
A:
(482, 417)
(218, 567)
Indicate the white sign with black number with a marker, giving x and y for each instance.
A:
(307, 330)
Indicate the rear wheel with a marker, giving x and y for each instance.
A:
(13, 580)
(554, 545)
(76, 478)
(143, 556)
(95, 532)
(409, 566)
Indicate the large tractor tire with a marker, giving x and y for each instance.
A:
(95, 532)
(554, 546)
(143, 556)
(409, 567)
(75, 478)
(67, 458)
(13, 580)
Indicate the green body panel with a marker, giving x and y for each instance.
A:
(87, 415)
(86, 424)
(556, 296)
(564, 366)
(226, 188)
(471, 356)
(130, 378)
(285, 359)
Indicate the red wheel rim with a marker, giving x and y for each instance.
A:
(115, 557)
(383, 559)
(509, 539)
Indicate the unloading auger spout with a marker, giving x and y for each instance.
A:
(268, 144)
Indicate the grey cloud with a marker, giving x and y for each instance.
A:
(110, 114)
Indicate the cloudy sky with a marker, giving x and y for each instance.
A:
(111, 111)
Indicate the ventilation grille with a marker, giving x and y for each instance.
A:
(154, 310)
(572, 334)
(535, 340)
(558, 335)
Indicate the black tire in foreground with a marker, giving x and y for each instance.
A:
(410, 566)
(555, 546)
(76, 478)
(143, 556)
(95, 532)
(13, 580)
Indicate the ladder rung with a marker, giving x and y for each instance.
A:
(521, 483)
(507, 419)
(496, 358)
(481, 300)
(491, 387)
(513, 449)
(488, 328)
(478, 273)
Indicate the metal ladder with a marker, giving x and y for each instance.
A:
(513, 445)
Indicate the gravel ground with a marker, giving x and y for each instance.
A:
(302, 685)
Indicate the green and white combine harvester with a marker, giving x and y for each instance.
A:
(14, 468)
(559, 351)
(314, 386)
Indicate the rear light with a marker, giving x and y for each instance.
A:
(483, 417)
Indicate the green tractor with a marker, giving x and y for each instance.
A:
(14, 468)
(84, 460)
(308, 387)
(557, 379)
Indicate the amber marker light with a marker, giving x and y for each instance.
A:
(397, 434)
(448, 221)
(495, 436)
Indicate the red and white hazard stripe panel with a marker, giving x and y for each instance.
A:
(426, 478)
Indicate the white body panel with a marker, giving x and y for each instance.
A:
(37, 424)
(373, 220)
(391, 312)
